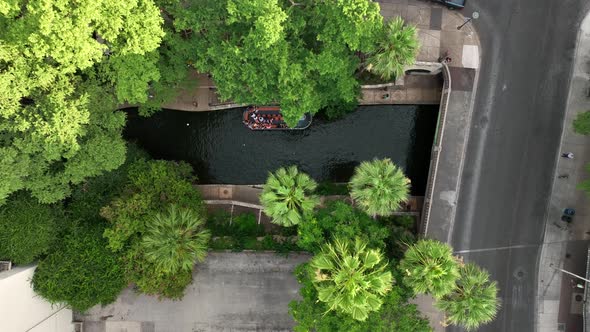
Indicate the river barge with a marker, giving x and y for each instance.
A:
(270, 118)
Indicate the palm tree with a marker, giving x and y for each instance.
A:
(430, 267)
(379, 186)
(397, 47)
(350, 278)
(175, 240)
(287, 196)
(474, 300)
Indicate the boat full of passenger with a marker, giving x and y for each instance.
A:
(270, 118)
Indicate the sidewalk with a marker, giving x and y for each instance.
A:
(566, 247)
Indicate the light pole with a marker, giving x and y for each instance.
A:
(474, 16)
(567, 272)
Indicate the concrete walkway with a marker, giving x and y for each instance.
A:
(565, 246)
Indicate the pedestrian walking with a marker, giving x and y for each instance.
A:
(568, 155)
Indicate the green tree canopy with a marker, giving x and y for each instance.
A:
(81, 272)
(394, 315)
(340, 220)
(27, 228)
(397, 47)
(350, 278)
(153, 186)
(474, 301)
(430, 267)
(287, 196)
(61, 65)
(299, 54)
(582, 123)
(379, 186)
(175, 240)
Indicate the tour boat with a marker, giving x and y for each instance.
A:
(270, 118)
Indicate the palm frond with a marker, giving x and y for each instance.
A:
(351, 278)
(175, 240)
(474, 301)
(397, 48)
(287, 196)
(379, 187)
(430, 267)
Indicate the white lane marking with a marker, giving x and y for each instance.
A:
(497, 248)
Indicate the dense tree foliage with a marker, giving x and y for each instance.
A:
(340, 220)
(96, 192)
(379, 186)
(63, 68)
(81, 271)
(27, 228)
(287, 196)
(153, 186)
(430, 267)
(299, 54)
(474, 301)
(394, 315)
(176, 55)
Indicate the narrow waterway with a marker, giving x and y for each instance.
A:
(223, 150)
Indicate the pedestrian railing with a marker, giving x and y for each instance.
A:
(436, 148)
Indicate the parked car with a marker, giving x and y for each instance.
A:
(452, 4)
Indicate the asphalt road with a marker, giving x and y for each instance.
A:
(528, 48)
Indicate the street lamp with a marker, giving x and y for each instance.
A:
(567, 272)
(474, 16)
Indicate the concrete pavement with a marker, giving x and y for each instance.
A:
(565, 245)
(230, 292)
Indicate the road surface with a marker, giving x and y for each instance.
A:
(527, 47)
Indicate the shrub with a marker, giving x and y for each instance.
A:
(341, 220)
(246, 224)
(81, 272)
(401, 234)
(582, 123)
(27, 228)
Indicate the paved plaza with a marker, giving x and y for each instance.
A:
(230, 292)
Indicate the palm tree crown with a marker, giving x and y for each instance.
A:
(396, 47)
(175, 240)
(473, 301)
(430, 267)
(351, 278)
(379, 186)
(288, 197)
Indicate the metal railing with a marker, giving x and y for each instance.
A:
(436, 148)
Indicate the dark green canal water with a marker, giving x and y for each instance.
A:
(223, 150)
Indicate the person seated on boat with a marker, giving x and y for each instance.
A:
(261, 119)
